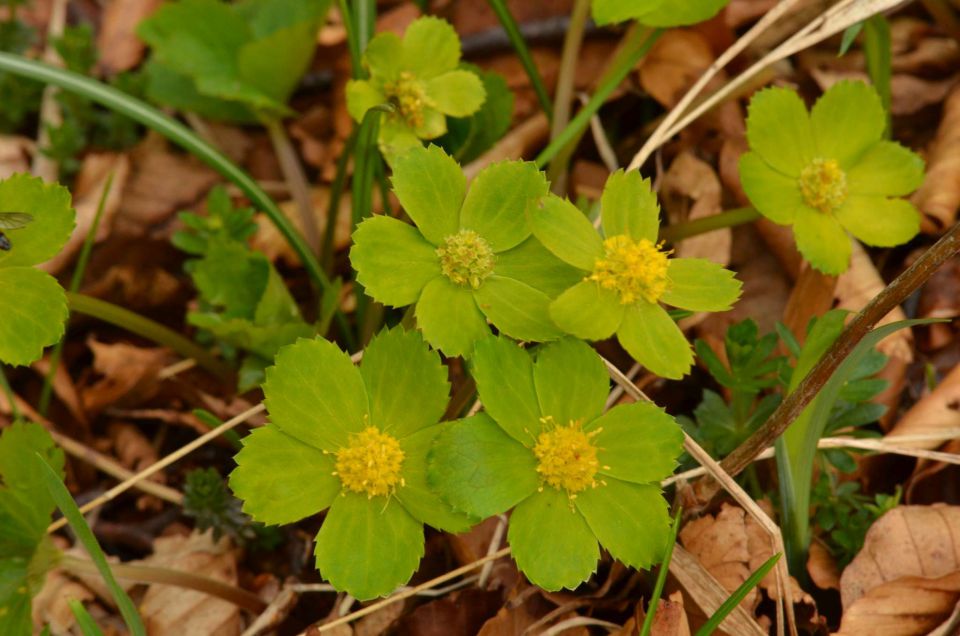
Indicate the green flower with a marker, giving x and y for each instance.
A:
(830, 172)
(418, 75)
(625, 275)
(470, 257)
(572, 474)
(356, 441)
(656, 13)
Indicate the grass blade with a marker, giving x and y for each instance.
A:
(520, 46)
(661, 577)
(738, 595)
(84, 620)
(878, 51)
(85, 536)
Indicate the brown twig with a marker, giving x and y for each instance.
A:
(891, 296)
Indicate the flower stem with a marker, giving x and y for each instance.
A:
(516, 39)
(149, 329)
(730, 218)
(165, 576)
(296, 179)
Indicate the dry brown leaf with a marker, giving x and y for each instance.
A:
(14, 155)
(921, 541)
(167, 609)
(117, 42)
(939, 196)
(50, 605)
(692, 190)
(64, 388)
(674, 63)
(461, 612)
(131, 447)
(269, 240)
(670, 619)
(822, 567)
(128, 373)
(933, 413)
(906, 606)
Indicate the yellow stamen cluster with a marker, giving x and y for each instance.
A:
(371, 463)
(823, 185)
(634, 269)
(466, 259)
(566, 457)
(407, 94)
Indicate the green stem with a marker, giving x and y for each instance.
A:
(635, 46)
(661, 577)
(516, 39)
(365, 12)
(75, 281)
(142, 326)
(176, 132)
(333, 209)
(730, 218)
(164, 576)
(353, 40)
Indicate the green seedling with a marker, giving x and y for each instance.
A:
(210, 504)
(33, 305)
(625, 275)
(353, 440)
(418, 76)
(843, 514)
(574, 476)
(656, 13)
(830, 172)
(469, 259)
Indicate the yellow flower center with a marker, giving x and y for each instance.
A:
(634, 269)
(823, 185)
(407, 94)
(567, 458)
(466, 259)
(371, 463)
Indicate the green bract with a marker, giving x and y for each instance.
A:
(626, 275)
(356, 441)
(657, 13)
(33, 306)
(418, 75)
(830, 172)
(575, 475)
(470, 257)
(26, 554)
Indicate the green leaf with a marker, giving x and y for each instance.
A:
(457, 93)
(498, 202)
(629, 206)
(630, 520)
(479, 469)
(232, 278)
(887, 168)
(276, 306)
(362, 95)
(822, 241)
(516, 309)
(393, 261)
(655, 341)
(421, 501)
(260, 340)
(564, 230)
(469, 138)
(531, 263)
(504, 375)
(406, 382)
(846, 121)
(23, 477)
(588, 311)
(449, 318)
(314, 394)
(779, 130)
(658, 13)
(366, 548)
(700, 285)
(280, 479)
(383, 57)
(571, 380)
(275, 63)
(53, 219)
(430, 187)
(34, 309)
(775, 195)
(551, 542)
(430, 48)
(879, 221)
(177, 90)
(631, 431)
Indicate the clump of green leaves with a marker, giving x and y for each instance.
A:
(26, 553)
(353, 440)
(843, 514)
(32, 303)
(470, 257)
(625, 274)
(231, 61)
(418, 76)
(243, 303)
(207, 501)
(572, 474)
(656, 13)
(830, 172)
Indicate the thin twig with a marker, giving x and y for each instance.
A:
(495, 542)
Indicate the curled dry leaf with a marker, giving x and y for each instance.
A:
(50, 605)
(936, 412)
(129, 374)
(670, 619)
(907, 606)
(917, 541)
(939, 196)
(692, 190)
(673, 64)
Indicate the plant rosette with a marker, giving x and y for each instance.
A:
(625, 275)
(829, 172)
(656, 13)
(353, 440)
(469, 259)
(572, 474)
(418, 76)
